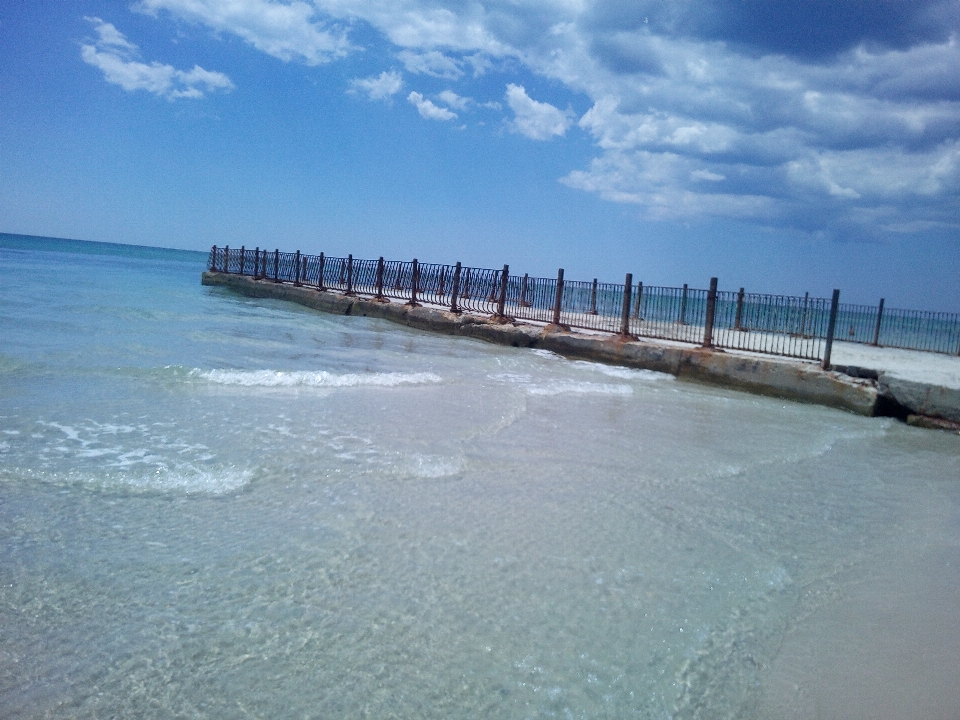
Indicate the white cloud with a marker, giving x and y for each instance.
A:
(431, 63)
(707, 175)
(288, 31)
(113, 54)
(379, 87)
(427, 109)
(451, 99)
(536, 120)
(790, 131)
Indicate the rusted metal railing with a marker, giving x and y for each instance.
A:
(792, 326)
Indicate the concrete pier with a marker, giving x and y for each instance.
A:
(874, 394)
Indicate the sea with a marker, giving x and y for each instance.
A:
(213, 506)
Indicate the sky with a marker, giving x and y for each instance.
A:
(784, 147)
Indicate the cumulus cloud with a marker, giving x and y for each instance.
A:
(536, 120)
(431, 63)
(451, 99)
(116, 57)
(783, 113)
(427, 109)
(379, 87)
(285, 30)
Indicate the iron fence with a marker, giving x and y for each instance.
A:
(791, 326)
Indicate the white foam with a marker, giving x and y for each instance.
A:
(580, 388)
(623, 373)
(561, 387)
(312, 378)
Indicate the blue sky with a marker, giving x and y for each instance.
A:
(785, 147)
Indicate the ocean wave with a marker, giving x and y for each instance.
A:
(312, 378)
(580, 388)
(563, 387)
(623, 373)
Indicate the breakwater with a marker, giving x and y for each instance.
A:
(784, 325)
(803, 381)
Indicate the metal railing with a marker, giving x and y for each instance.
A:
(790, 326)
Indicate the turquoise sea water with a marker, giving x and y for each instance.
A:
(219, 507)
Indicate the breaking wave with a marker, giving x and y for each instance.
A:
(312, 378)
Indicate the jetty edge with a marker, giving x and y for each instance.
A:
(856, 390)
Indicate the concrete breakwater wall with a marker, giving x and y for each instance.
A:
(790, 379)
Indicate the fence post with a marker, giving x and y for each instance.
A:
(349, 275)
(593, 299)
(502, 299)
(226, 258)
(213, 259)
(456, 290)
(243, 256)
(831, 327)
(523, 291)
(296, 272)
(414, 283)
(263, 264)
(739, 319)
(876, 330)
(636, 309)
(379, 295)
(625, 312)
(803, 316)
(320, 286)
(711, 314)
(276, 265)
(559, 298)
(683, 306)
(303, 275)
(256, 263)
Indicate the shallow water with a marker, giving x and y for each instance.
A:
(215, 506)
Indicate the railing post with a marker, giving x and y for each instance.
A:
(320, 286)
(711, 314)
(414, 283)
(296, 272)
(636, 309)
(559, 298)
(803, 316)
(456, 289)
(226, 258)
(349, 275)
(213, 259)
(831, 327)
(256, 263)
(502, 299)
(593, 299)
(303, 274)
(263, 264)
(243, 256)
(379, 294)
(625, 313)
(276, 265)
(683, 306)
(523, 291)
(876, 330)
(739, 318)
